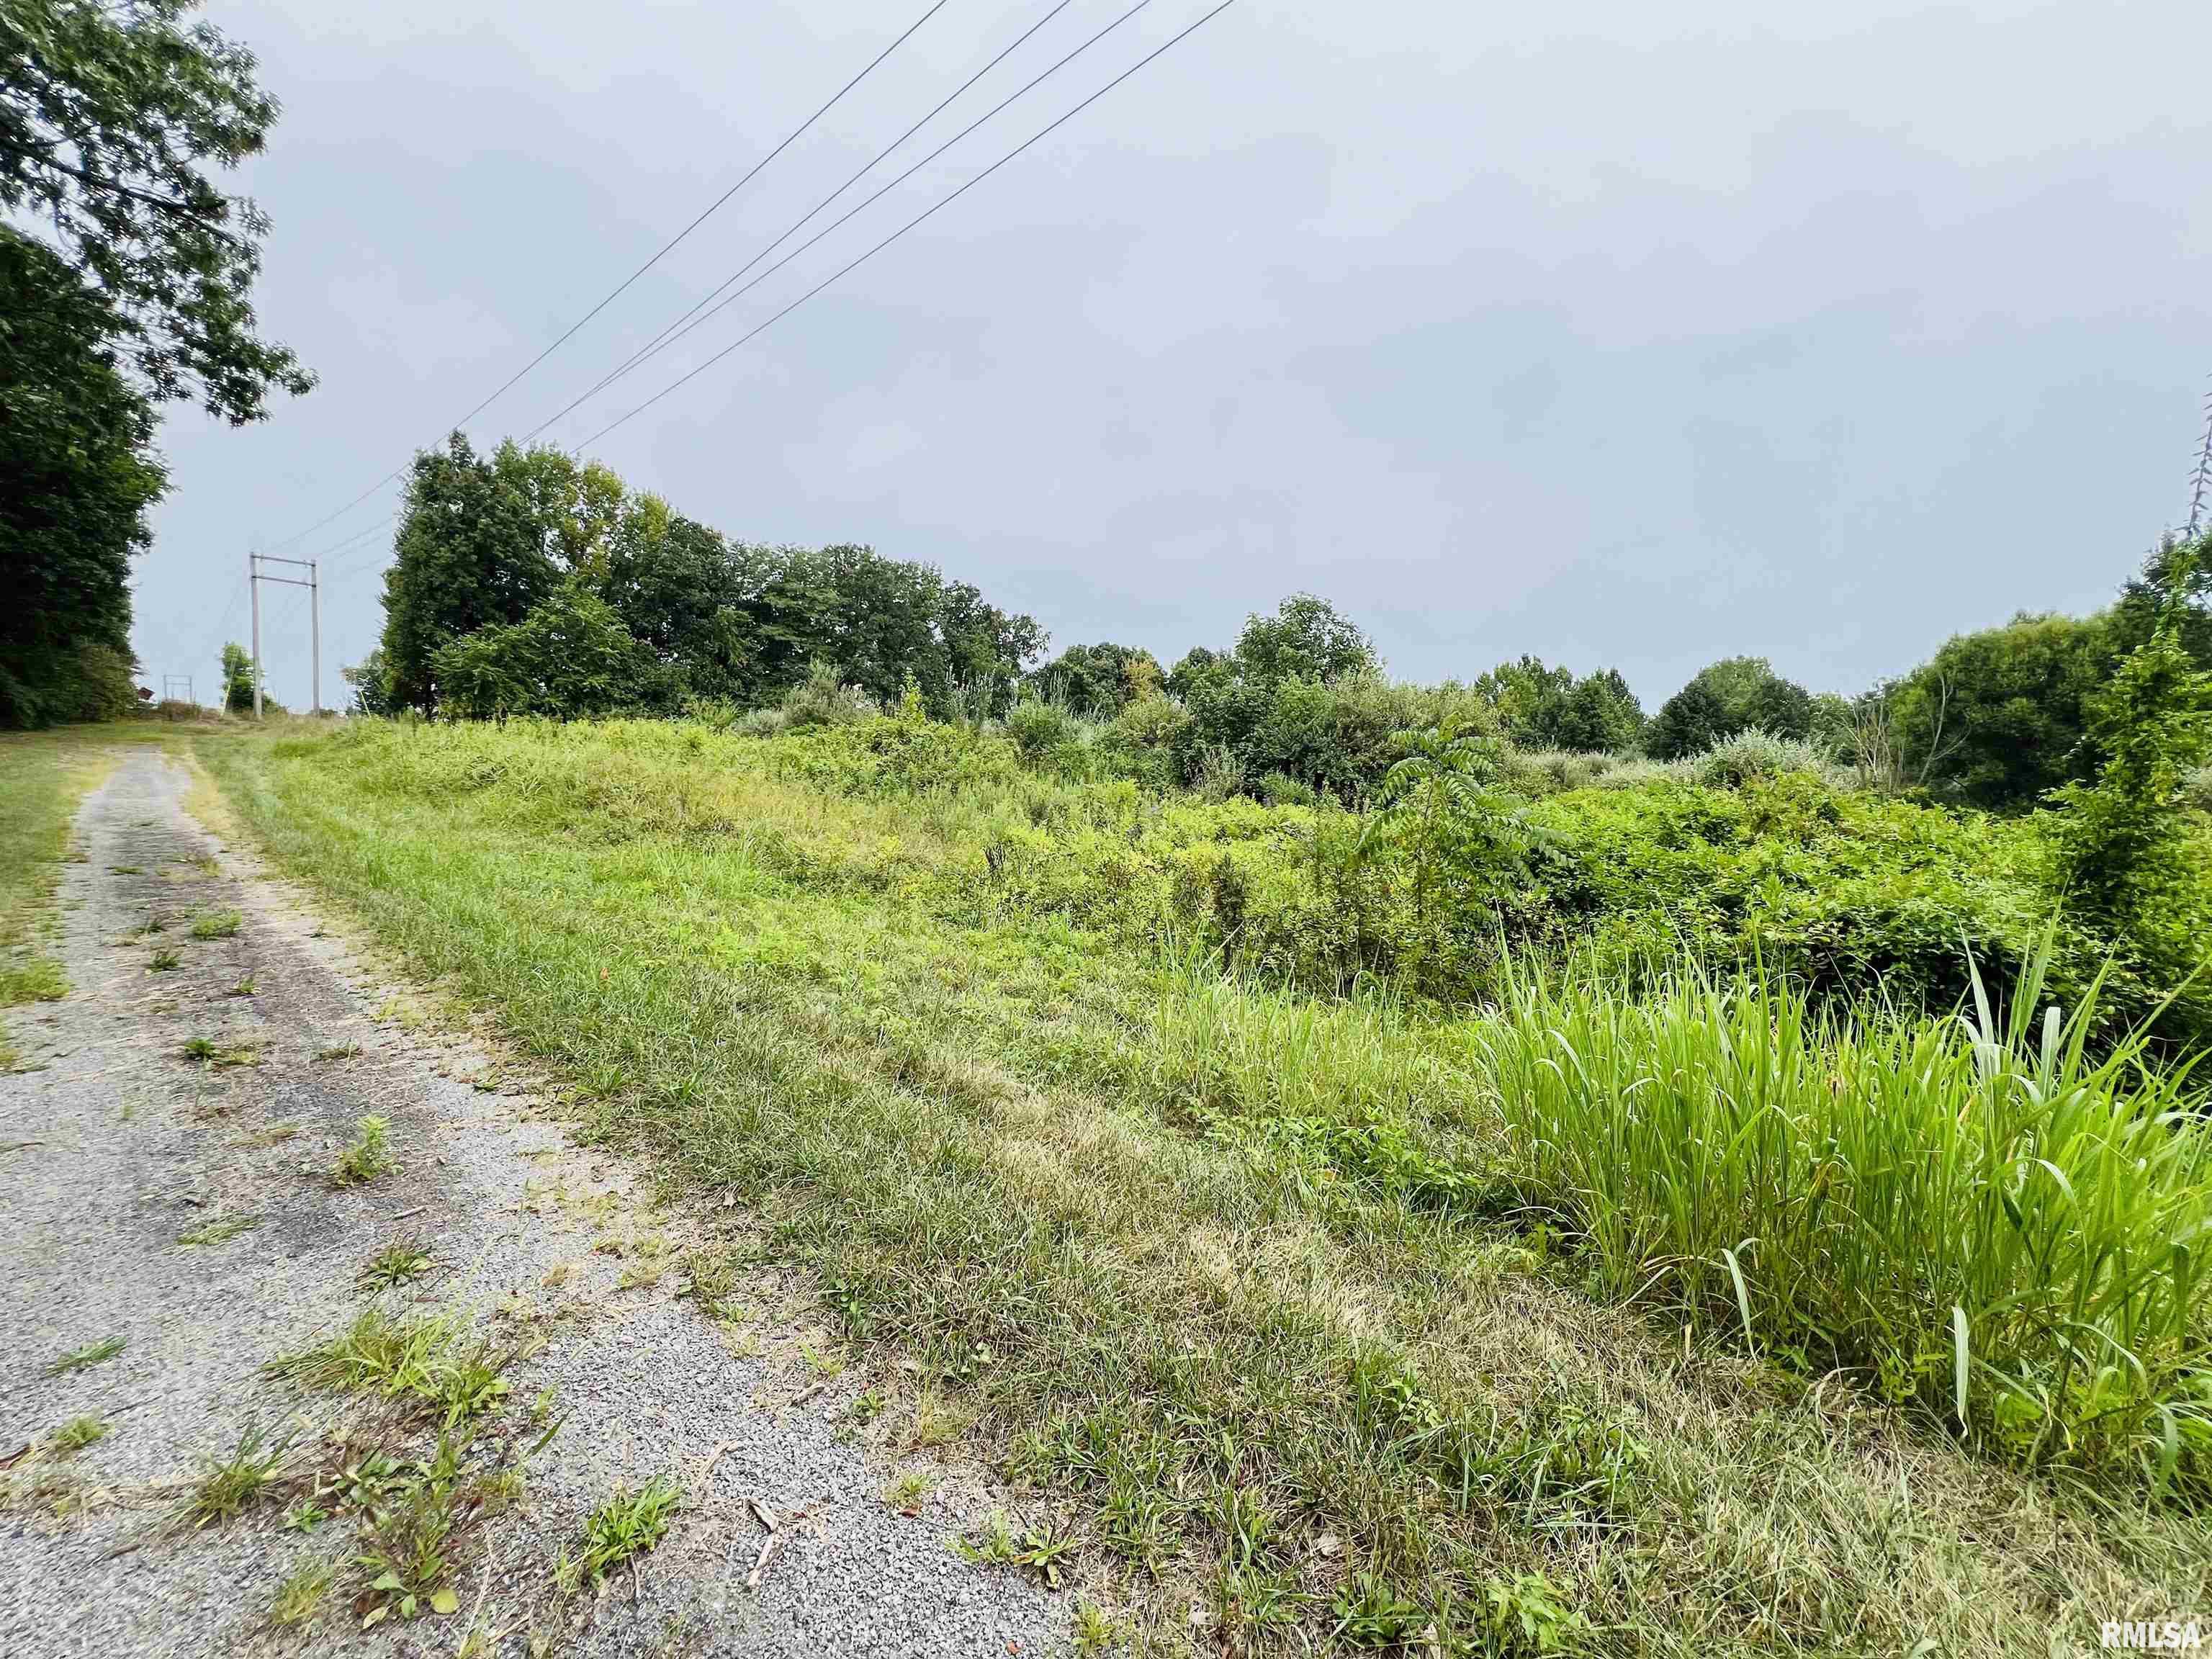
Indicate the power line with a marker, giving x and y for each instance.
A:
(879, 247)
(676, 328)
(617, 291)
(910, 224)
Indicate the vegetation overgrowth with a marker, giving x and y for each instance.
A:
(1624, 1216)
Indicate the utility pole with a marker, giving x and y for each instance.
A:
(253, 585)
(255, 576)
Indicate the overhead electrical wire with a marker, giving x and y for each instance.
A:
(852, 265)
(653, 345)
(614, 293)
(845, 270)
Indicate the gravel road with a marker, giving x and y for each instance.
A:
(114, 1145)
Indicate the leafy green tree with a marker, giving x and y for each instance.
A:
(109, 115)
(677, 589)
(2174, 586)
(1100, 679)
(1545, 707)
(2123, 840)
(571, 656)
(1996, 718)
(76, 474)
(480, 542)
(237, 678)
(986, 649)
(1731, 695)
(1196, 667)
(1441, 809)
(1306, 639)
(1600, 715)
(370, 678)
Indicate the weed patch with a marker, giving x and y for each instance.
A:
(93, 1354)
(367, 1157)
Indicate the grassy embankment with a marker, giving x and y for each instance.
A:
(1330, 1316)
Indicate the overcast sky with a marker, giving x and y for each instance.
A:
(1626, 335)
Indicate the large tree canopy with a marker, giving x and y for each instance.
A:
(108, 113)
(1729, 696)
(484, 542)
(76, 475)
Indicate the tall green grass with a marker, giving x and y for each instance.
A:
(1975, 1211)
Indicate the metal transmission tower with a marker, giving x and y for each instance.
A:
(2200, 486)
(254, 577)
(169, 684)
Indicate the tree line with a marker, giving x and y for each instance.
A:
(526, 583)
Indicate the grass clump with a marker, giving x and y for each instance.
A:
(93, 1354)
(217, 924)
(219, 1231)
(254, 1472)
(395, 1265)
(164, 960)
(368, 1157)
(79, 1432)
(33, 979)
(628, 1524)
(299, 1600)
(428, 1364)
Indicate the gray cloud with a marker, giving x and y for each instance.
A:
(1624, 335)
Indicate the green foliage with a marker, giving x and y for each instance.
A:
(628, 1524)
(1099, 680)
(371, 680)
(1307, 639)
(77, 474)
(570, 656)
(1981, 1215)
(1731, 695)
(1459, 834)
(1996, 718)
(237, 669)
(667, 612)
(477, 546)
(2127, 858)
(108, 115)
(1541, 708)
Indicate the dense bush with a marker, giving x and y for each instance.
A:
(569, 657)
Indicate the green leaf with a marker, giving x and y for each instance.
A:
(445, 1602)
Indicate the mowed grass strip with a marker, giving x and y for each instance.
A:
(1316, 1405)
(43, 776)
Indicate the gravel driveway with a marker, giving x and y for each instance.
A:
(115, 1143)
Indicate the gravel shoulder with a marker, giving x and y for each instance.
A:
(115, 1145)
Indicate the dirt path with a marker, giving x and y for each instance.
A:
(115, 1145)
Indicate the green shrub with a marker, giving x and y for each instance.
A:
(1755, 753)
(1038, 726)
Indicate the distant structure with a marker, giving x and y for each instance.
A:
(2201, 485)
